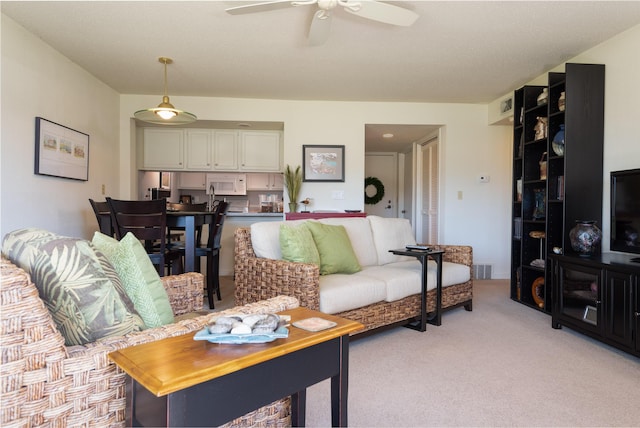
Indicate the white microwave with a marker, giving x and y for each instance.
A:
(226, 184)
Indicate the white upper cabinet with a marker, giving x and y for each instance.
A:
(264, 181)
(192, 180)
(163, 149)
(260, 151)
(225, 150)
(211, 150)
(199, 149)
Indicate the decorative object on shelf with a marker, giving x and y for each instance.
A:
(585, 238)
(543, 166)
(521, 146)
(541, 235)
(558, 142)
(165, 113)
(537, 291)
(541, 128)
(293, 182)
(543, 97)
(539, 210)
(376, 197)
(519, 190)
(306, 202)
(557, 250)
(561, 101)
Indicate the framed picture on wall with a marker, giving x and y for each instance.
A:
(322, 163)
(61, 151)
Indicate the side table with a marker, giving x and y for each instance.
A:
(423, 256)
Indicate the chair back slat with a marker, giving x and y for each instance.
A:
(146, 220)
(215, 230)
(103, 216)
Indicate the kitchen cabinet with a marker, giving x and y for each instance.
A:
(199, 150)
(163, 149)
(260, 150)
(192, 180)
(265, 181)
(225, 150)
(204, 150)
(598, 296)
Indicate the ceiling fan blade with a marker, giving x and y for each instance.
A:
(320, 28)
(382, 12)
(259, 7)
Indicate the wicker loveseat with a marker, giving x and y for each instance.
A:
(257, 278)
(45, 383)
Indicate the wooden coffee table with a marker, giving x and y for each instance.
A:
(197, 383)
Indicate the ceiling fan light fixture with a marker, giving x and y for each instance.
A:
(165, 113)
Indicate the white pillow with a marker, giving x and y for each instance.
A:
(265, 238)
(391, 234)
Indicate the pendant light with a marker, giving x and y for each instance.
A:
(165, 113)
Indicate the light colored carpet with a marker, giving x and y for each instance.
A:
(500, 365)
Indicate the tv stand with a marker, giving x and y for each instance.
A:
(598, 296)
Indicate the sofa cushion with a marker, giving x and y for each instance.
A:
(77, 285)
(334, 247)
(297, 244)
(339, 292)
(398, 275)
(359, 231)
(390, 234)
(139, 277)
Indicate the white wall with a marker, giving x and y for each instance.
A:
(39, 81)
(470, 148)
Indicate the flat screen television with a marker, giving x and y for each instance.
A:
(625, 211)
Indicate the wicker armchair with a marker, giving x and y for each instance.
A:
(260, 278)
(45, 383)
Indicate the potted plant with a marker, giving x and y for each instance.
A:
(293, 182)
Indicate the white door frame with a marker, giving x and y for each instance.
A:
(419, 186)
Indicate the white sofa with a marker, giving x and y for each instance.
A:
(386, 291)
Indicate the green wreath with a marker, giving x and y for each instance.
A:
(377, 197)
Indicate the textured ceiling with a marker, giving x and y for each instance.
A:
(457, 51)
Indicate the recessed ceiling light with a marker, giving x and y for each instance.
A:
(388, 135)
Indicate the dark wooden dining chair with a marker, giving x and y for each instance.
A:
(211, 250)
(147, 220)
(103, 216)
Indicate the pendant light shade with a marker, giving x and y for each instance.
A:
(165, 113)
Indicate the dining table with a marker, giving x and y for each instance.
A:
(190, 221)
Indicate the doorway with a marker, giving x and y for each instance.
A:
(384, 168)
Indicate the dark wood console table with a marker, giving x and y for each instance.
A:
(317, 216)
(184, 382)
(598, 296)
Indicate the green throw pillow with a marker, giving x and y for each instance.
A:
(334, 246)
(78, 285)
(297, 245)
(139, 277)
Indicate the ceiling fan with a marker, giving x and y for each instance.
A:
(321, 23)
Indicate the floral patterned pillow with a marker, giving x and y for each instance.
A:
(78, 285)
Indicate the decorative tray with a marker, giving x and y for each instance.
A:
(279, 333)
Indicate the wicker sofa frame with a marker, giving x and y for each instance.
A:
(45, 383)
(260, 278)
